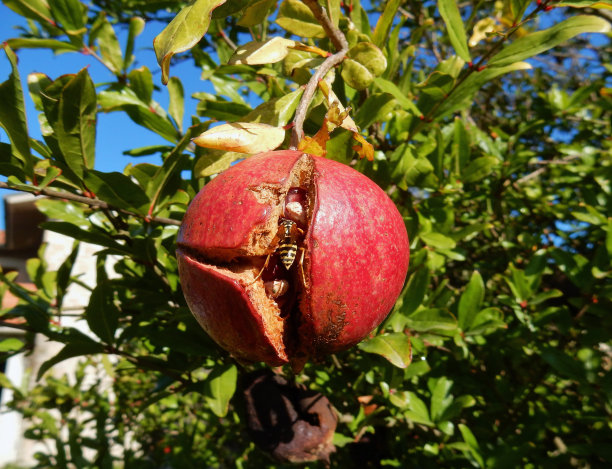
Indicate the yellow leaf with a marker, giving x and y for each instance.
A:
(347, 123)
(482, 29)
(261, 53)
(311, 146)
(365, 150)
(242, 137)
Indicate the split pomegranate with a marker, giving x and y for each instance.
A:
(287, 256)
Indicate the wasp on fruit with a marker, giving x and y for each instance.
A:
(287, 238)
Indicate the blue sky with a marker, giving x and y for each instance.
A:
(115, 131)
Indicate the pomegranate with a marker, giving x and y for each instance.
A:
(287, 256)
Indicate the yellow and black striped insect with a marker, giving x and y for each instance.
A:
(288, 235)
(287, 246)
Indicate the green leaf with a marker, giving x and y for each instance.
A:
(38, 43)
(438, 240)
(10, 345)
(470, 301)
(222, 110)
(599, 4)
(75, 348)
(412, 406)
(540, 41)
(395, 347)
(609, 238)
(219, 388)
(71, 15)
(415, 291)
(440, 398)
(136, 27)
(433, 319)
(486, 322)
(183, 32)
(256, 12)
(214, 162)
(88, 236)
(472, 443)
(141, 82)
(391, 88)
(563, 364)
(110, 50)
(176, 108)
(383, 26)
(34, 9)
(462, 96)
(118, 190)
(151, 116)
(12, 115)
(73, 119)
(277, 112)
(374, 109)
(296, 18)
(454, 26)
(101, 313)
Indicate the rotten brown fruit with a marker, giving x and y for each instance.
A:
(288, 421)
(347, 243)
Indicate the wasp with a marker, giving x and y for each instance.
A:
(288, 235)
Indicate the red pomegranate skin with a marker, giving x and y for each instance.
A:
(359, 254)
(355, 263)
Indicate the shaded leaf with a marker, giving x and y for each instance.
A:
(118, 190)
(219, 388)
(83, 346)
(101, 313)
(470, 301)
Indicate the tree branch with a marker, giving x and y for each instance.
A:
(339, 41)
(92, 202)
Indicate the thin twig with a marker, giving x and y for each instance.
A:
(92, 202)
(340, 43)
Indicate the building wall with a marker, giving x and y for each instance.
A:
(21, 369)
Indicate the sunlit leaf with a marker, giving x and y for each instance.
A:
(176, 107)
(214, 162)
(540, 41)
(183, 32)
(454, 26)
(258, 53)
(242, 137)
(383, 26)
(12, 114)
(296, 18)
(395, 347)
(256, 12)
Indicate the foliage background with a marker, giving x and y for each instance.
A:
(498, 352)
